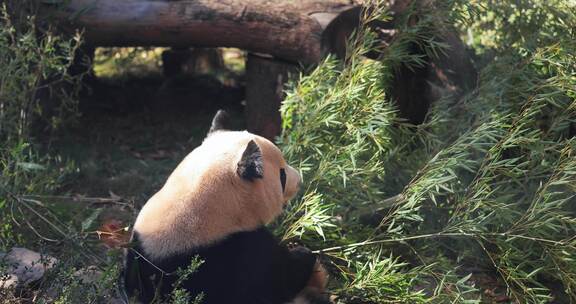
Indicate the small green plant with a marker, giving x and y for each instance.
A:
(68, 284)
(180, 295)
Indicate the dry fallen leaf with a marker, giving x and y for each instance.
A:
(113, 234)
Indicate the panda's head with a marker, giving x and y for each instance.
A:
(254, 167)
(234, 181)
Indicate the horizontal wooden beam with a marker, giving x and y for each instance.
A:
(284, 29)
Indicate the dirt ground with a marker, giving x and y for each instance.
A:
(132, 134)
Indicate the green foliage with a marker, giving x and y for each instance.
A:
(34, 64)
(487, 182)
(180, 295)
(502, 24)
(350, 139)
(381, 279)
(67, 284)
(34, 72)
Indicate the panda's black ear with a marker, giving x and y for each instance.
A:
(251, 166)
(221, 121)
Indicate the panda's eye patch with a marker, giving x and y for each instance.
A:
(283, 179)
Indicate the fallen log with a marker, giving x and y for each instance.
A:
(289, 30)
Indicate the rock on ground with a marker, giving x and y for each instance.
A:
(23, 266)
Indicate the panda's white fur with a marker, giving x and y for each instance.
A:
(198, 186)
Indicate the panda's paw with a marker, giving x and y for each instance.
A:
(294, 245)
(301, 254)
(299, 250)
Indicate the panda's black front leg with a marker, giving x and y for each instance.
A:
(300, 253)
(313, 292)
(293, 267)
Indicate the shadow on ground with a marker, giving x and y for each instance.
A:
(132, 133)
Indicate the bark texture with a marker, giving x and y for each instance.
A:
(290, 30)
(265, 79)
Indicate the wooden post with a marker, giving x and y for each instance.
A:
(265, 80)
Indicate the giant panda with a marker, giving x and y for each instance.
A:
(216, 205)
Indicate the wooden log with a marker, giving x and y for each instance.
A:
(285, 29)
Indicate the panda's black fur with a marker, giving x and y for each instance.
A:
(247, 266)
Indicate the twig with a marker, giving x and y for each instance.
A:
(381, 205)
(92, 200)
(47, 221)
(25, 202)
(152, 264)
(448, 234)
(36, 231)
